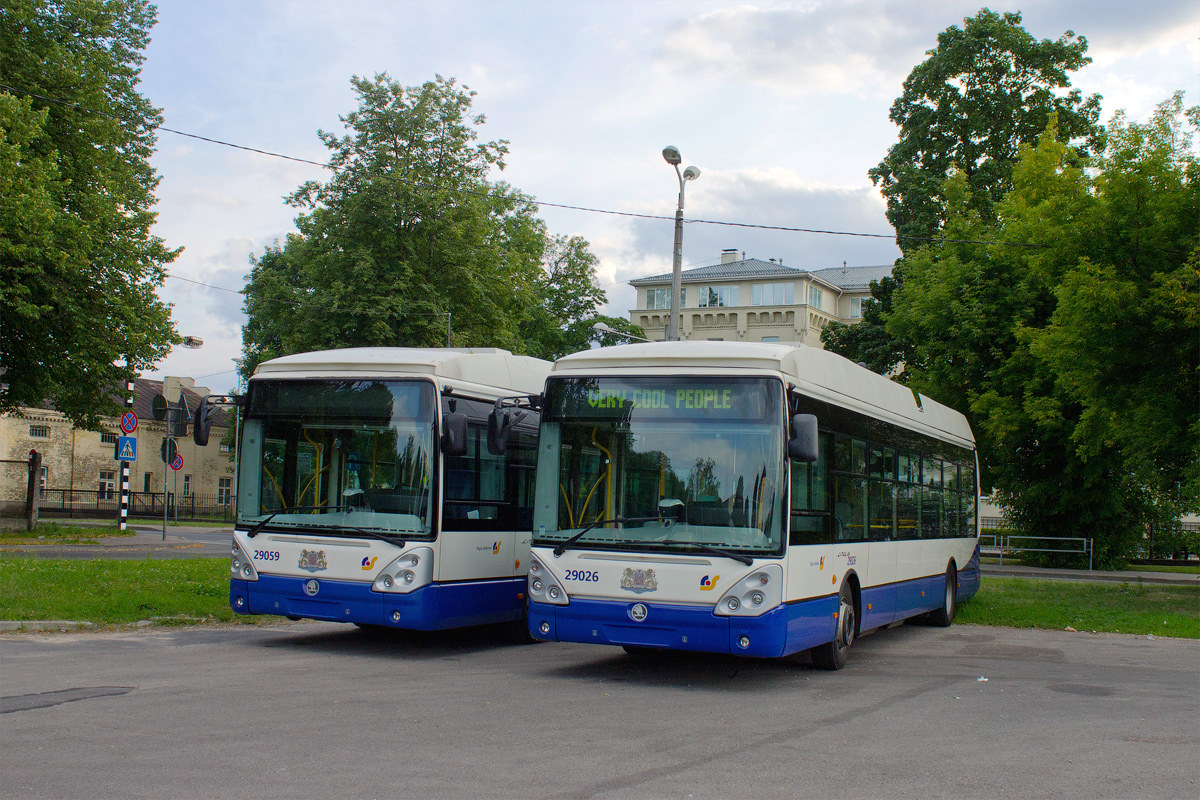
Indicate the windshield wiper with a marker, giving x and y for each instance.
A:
(563, 545)
(708, 548)
(258, 526)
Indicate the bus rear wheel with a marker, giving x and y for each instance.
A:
(832, 655)
(942, 617)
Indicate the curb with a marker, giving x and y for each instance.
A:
(43, 625)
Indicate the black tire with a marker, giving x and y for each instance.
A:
(370, 627)
(641, 652)
(943, 616)
(832, 655)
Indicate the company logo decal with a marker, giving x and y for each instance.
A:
(707, 583)
(820, 564)
(367, 563)
(639, 612)
(311, 588)
(313, 560)
(639, 580)
(495, 549)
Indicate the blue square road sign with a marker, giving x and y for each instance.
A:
(126, 448)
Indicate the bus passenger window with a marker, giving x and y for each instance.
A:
(849, 508)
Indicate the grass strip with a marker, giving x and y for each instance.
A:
(1126, 607)
(117, 592)
(57, 533)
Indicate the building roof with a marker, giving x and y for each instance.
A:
(854, 278)
(746, 268)
(847, 278)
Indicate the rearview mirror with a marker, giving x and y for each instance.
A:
(454, 433)
(803, 444)
(202, 423)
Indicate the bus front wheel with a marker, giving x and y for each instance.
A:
(832, 655)
(942, 617)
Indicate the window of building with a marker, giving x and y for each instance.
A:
(715, 296)
(39, 431)
(146, 482)
(770, 338)
(108, 438)
(43, 477)
(661, 298)
(772, 294)
(856, 307)
(814, 296)
(187, 485)
(108, 484)
(224, 448)
(224, 491)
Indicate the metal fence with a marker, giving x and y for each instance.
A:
(1000, 544)
(104, 503)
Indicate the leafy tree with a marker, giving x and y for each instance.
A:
(409, 238)
(80, 268)
(987, 89)
(562, 321)
(1071, 344)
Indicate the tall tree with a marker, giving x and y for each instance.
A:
(80, 268)
(1072, 342)
(409, 239)
(988, 88)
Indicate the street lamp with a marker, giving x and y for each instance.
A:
(602, 328)
(672, 157)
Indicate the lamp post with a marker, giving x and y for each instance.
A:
(672, 157)
(602, 328)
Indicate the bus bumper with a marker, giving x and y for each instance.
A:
(783, 630)
(432, 607)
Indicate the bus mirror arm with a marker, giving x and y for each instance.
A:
(803, 444)
(501, 420)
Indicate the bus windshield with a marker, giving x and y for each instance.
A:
(685, 462)
(329, 454)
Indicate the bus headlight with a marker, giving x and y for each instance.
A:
(545, 588)
(754, 595)
(240, 566)
(408, 572)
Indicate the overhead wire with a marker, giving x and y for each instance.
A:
(548, 204)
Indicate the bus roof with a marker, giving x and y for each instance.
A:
(816, 373)
(481, 366)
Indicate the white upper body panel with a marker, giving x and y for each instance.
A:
(459, 367)
(815, 373)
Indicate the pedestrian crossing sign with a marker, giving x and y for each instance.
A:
(126, 448)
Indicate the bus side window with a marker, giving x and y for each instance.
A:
(809, 518)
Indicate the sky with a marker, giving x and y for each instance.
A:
(782, 105)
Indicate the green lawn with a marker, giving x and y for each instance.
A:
(62, 533)
(1127, 607)
(117, 592)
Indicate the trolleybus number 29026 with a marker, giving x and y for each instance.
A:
(582, 575)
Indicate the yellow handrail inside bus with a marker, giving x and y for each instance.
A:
(570, 517)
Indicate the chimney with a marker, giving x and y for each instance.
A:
(728, 256)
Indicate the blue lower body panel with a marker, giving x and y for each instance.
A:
(781, 631)
(433, 607)
(969, 577)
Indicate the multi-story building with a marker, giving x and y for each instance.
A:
(750, 300)
(79, 466)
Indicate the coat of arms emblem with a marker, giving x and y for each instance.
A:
(313, 560)
(639, 580)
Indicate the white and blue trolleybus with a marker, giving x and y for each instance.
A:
(754, 499)
(366, 493)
